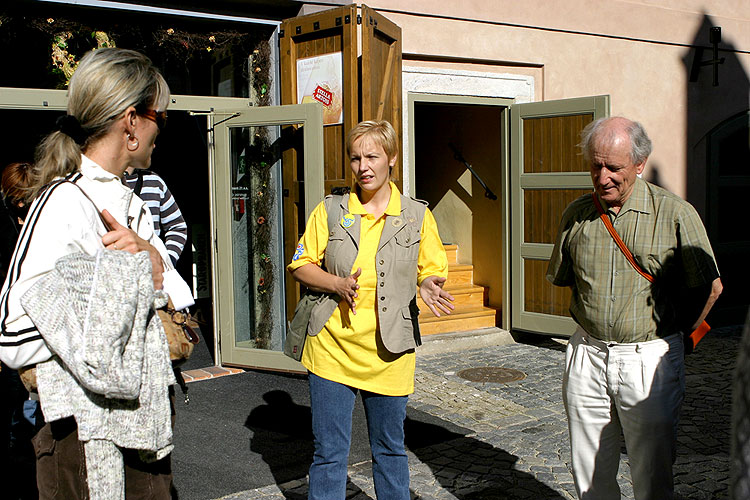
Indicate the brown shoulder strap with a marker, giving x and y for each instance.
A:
(621, 245)
(690, 340)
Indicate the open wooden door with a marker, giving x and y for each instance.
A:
(381, 76)
(547, 173)
(327, 43)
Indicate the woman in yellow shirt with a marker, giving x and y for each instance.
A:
(382, 247)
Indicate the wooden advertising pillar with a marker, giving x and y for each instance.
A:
(368, 88)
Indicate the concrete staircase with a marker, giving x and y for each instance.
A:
(470, 312)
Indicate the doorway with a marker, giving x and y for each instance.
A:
(538, 173)
(449, 133)
(447, 137)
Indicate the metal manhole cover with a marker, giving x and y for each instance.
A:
(495, 374)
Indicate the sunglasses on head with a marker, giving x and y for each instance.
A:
(158, 117)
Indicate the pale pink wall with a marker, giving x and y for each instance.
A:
(635, 51)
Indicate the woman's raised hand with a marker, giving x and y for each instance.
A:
(122, 238)
(347, 287)
(432, 293)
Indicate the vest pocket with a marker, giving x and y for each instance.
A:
(332, 248)
(407, 245)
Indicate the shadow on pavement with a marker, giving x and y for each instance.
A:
(469, 468)
(462, 465)
(282, 436)
(539, 340)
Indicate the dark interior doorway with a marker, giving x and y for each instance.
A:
(465, 215)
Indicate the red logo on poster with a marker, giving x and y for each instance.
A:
(322, 95)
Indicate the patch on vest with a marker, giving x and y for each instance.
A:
(347, 221)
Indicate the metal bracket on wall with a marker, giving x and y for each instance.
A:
(206, 113)
(715, 39)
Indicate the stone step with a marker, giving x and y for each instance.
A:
(452, 342)
(462, 319)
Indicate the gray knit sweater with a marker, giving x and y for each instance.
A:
(110, 368)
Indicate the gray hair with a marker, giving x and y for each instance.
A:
(106, 82)
(640, 144)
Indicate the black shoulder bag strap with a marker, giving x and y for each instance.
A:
(138, 182)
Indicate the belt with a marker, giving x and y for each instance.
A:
(635, 346)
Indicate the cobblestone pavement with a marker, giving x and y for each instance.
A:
(515, 444)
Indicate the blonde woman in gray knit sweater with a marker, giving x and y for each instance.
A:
(116, 106)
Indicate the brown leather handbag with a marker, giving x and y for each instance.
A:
(181, 330)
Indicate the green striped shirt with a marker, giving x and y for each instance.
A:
(610, 300)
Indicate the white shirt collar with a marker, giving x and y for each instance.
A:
(93, 170)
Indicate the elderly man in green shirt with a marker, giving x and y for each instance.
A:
(624, 365)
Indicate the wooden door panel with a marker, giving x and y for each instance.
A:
(318, 34)
(547, 173)
(542, 211)
(381, 76)
(541, 295)
(554, 144)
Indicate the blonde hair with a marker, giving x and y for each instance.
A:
(106, 82)
(382, 132)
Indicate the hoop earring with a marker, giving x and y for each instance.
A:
(134, 143)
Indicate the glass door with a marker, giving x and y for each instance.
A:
(255, 149)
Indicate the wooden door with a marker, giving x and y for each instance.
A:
(547, 173)
(381, 76)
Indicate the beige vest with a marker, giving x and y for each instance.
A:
(395, 264)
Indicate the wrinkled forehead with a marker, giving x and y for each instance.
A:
(610, 141)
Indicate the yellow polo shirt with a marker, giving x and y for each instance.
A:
(348, 349)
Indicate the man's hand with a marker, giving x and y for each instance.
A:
(704, 306)
(347, 287)
(432, 293)
(122, 238)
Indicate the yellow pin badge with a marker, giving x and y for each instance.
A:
(347, 221)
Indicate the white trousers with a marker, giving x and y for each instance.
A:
(636, 389)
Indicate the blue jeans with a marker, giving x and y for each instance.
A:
(332, 405)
